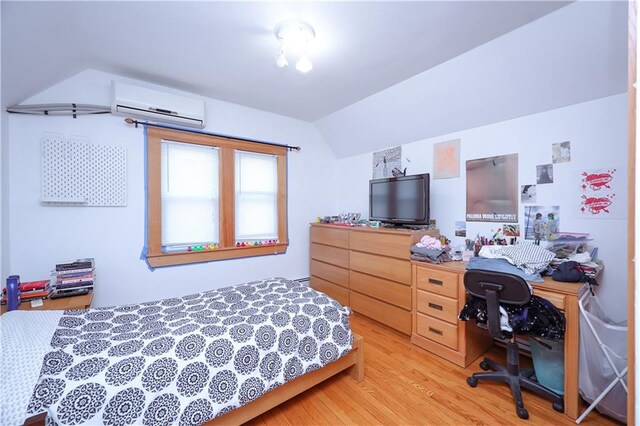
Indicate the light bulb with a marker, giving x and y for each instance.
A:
(304, 64)
(281, 60)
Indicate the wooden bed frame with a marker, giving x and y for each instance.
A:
(353, 363)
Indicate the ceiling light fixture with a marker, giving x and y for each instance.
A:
(294, 37)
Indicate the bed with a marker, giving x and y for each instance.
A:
(222, 356)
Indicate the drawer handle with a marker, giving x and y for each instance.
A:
(435, 331)
(434, 306)
(436, 282)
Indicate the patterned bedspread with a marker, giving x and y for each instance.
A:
(187, 360)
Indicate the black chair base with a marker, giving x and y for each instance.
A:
(516, 379)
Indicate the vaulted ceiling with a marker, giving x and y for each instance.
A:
(226, 50)
(385, 72)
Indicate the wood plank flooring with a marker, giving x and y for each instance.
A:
(406, 385)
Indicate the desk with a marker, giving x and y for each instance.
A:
(62, 304)
(438, 293)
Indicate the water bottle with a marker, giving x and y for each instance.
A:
(13, 292)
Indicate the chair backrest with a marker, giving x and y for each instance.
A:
(497, 288)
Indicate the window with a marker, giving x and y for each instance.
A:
(256, 196)
(212, 198)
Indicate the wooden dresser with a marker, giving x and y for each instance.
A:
(367, 269)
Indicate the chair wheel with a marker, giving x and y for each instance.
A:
(522, 413)
(559, 406)
(484, 365)
(472, 381)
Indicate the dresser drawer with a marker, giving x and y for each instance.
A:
(556, 299)
(330, 236)
(440, 282)
(392, 245)
(341, 294)
(329, 254)
(381, 266)
(439, 331)
(435, 305)
(381, 289)
(385, 313)
(332, 273)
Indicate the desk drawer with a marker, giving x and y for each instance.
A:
(557, 299)
(329, 254)
(440, 282)
(437, 306)
(330, 273)
(330, 236)
(439, 331)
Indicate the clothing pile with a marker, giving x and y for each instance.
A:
(573, 261)
(430, 249)
(537, 318)
(523, 260)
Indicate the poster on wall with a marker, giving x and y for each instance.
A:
(386, 161)
(446, 159)
(599, 193)
(492, 189)
(561, 152)
(541, 223)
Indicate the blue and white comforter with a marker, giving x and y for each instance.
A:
(187, 360)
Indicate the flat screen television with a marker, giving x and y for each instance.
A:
(400, 200)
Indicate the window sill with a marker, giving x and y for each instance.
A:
(183, 258)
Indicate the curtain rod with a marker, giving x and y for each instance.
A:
(129, 120)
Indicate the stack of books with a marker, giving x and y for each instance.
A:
(30, 290)
(72, 278)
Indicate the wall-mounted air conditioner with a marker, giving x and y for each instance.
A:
(152, 105)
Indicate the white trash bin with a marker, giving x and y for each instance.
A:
(603, 360)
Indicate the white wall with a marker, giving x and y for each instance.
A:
(43, 235)
(575, 54)
(4, 178)
(597, 131)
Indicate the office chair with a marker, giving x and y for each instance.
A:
(501, 288)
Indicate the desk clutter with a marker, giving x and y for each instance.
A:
(568, 258)
(75, 278)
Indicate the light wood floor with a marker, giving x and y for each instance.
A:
(406, 385)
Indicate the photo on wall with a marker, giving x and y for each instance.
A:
(542, 223)
(544, 173)
(561, 152)
(385, 161)
(528, 194)
(511, 230)
(492, 189)
(461, 229)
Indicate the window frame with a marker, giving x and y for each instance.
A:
(227, 246)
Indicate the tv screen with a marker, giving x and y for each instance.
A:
(401, 200)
